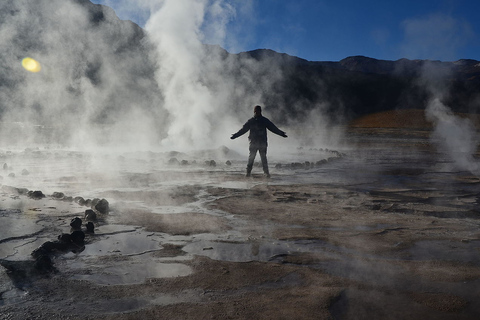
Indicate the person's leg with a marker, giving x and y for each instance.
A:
(263, 156)
(251, 159)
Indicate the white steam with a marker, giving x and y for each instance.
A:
(440, 36)
(184, 69)
(106, 83)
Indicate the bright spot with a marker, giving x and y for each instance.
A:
(31, 65)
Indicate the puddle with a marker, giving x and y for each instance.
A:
(127, 272)
(252, 251)
(125, 243)
(464, 252)
(18, 250)
(12, 227)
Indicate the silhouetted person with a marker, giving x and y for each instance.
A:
(258, 126)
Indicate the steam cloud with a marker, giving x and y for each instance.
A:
(435, 36)
(108, 83)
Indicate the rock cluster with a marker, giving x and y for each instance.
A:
(66, 242)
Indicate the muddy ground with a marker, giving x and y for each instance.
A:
(389, 230)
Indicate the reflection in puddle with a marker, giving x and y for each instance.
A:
(128, 272)
(252, 251)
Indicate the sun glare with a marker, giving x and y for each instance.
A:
(31, 65)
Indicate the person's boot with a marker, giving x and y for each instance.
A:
(248, 173)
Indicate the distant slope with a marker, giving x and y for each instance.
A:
(406, 118)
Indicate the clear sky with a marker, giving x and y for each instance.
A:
(330, 30)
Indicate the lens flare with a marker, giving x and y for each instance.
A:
(31, 65)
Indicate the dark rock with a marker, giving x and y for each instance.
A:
(278, 166)
(90, 227)
(94, 202)
(22, 190)
(40, 251)
(44, 263)
(212, 163)
(102, 206)
(76, 223)
(173, 161)
(90, 215)
(65, 238)
(78, 237)
(36, 194)
(58, 195)
(88, 203)
(228, 163)
(79, 200)
(184, 162)
(321, 162)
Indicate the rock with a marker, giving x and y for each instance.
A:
(78, 237)
(278, 166)
(65, 238)
(90, 215)
(44, 263)
(184, 162)
(102, 206)
(36, 194)
(22, 190)
(58, 195)
(90, 227)
(94, 202)
(79, 200)
(5, 166)
(25, 172)
(321, 162)
(228, 163)
(212, 163)
(173, 161)
(76, 223)
(11, 175)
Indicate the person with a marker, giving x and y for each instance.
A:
(258, 126)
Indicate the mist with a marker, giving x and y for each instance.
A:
(170, 86)
(433, 36)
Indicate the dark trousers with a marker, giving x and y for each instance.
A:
(263, 156)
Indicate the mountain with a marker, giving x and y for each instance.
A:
(100, 71)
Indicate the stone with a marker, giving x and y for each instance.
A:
(65, 238)
(76, 223)
(79, 200)
(44, 263)
(78, 237)
(58, 195)
(36, 194)
(90, 215)
(102, 206)
(90, 227)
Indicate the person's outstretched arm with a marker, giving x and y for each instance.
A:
(242, 131)
(274, 129)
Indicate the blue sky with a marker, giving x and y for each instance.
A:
(319, 30)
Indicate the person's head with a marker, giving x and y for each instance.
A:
(257, 111)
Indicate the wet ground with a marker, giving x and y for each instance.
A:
(384, 227)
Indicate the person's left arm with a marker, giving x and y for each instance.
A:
(273, 128)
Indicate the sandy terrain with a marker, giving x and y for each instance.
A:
(390, 230)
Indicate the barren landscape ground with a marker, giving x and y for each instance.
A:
(386, 228)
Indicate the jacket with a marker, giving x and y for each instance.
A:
(258, 130)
